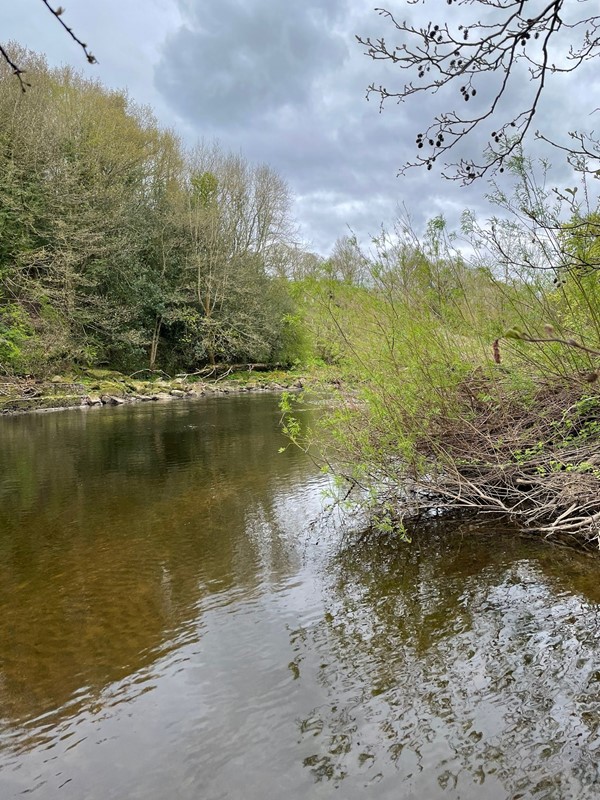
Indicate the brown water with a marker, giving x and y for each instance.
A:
(173, 626)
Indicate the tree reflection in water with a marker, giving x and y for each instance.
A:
(467, 659)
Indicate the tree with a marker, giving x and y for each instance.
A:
(347, 262)
(237, 226)
(512, 41)
(118, 247)
(87, 183)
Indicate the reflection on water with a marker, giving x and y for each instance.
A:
(466, 665)
(172, 626)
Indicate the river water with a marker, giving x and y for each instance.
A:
(178, 621)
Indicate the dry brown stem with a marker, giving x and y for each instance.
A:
(538, 466)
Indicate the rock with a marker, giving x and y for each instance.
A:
(162, 396)
(111, 400)
(93, 400)
(56, 379)
(177, 393)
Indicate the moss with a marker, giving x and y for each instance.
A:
(112, 388)
(70, 389)
(102, 375)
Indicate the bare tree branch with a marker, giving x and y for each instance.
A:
(16, 70)
(513, 41)
(57, 14)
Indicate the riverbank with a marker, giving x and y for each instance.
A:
(96, 388)
(531, 458)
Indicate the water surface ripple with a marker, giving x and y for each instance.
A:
(172, 625)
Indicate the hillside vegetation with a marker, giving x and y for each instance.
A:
(121, 248)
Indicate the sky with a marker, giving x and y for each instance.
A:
(282, 83)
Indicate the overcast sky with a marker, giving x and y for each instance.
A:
(282, 82)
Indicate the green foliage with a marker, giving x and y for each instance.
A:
(434, 345)
(204, 189)
(119, 247)
(15, 333)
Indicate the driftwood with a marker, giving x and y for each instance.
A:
(218, 370)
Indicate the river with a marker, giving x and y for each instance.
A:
(179, 620)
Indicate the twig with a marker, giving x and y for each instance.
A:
(568, 342)
(57, 13)
(224, 375)
(16, 70)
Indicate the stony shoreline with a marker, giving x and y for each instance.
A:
(104, 388)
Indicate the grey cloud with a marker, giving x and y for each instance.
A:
(284, 83)
(244, 59)
(313, 125)
(231, 72)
